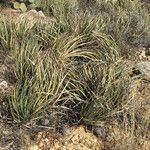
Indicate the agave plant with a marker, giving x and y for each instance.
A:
(42, 90)
(104, 90)
(73, 53)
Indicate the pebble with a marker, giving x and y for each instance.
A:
(36, 13)
(144, 68)
(44, 121)
(3, 86)
(66, 131)
(100, 132)
(41, 14)
(41, 144)
(46, 140)
(33, 147)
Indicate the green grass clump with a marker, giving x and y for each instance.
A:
(6, 34)
(37, 92)
(101, 90)
(109, 90)
(70, 65)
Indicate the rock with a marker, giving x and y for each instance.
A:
(78, 139)
(33, 147)
(41, 14)
(66, 131)
(41, 144)
(36, 14)
(47, 140)
(145, 145)
(39, 136)
(142, 55)
(44, 121)
(142, 42)
(144, 68)
(100, 132)
(3, 87)
(33, 11)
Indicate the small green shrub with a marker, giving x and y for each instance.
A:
(37, 92)
(101, 89)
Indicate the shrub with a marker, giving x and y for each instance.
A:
(105, 90)
(38, 92)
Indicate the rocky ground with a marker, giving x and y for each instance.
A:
(104, 137)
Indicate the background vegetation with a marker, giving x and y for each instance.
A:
(74, 61)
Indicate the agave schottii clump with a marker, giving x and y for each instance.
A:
(109, 90)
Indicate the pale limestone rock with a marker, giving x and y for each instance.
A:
(144, 68)
(33, 147)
